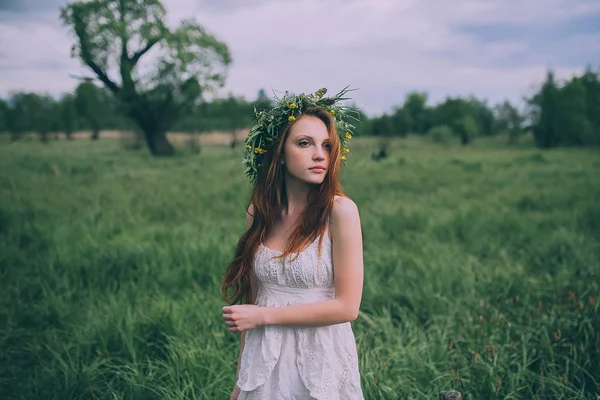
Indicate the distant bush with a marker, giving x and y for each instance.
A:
(383, 152)
(441, 134)
(465, 128)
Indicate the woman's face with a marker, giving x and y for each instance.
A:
(306, 152)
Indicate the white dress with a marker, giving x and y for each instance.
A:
(298, 363)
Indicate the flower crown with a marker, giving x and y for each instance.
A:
(269, 123)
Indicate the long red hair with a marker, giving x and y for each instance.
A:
(269, 198)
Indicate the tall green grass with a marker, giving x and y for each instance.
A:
(482, 268)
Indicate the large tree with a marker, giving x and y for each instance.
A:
(113, 36)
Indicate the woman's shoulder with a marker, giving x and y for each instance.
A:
(343, 208)
(344, 218)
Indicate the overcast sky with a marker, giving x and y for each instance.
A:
(493, 49)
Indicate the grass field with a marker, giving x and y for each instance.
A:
(482, 271)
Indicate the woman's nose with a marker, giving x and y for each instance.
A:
(319, 153)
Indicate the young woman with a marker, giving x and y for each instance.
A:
(299, 266)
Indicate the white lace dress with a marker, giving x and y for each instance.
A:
(298, 363)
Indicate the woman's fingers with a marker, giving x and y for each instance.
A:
(229, 318)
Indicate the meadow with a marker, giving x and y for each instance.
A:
(482, 270)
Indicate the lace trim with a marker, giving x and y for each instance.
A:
(308, 270)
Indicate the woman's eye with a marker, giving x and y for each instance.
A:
(303, 143)
(327, 146)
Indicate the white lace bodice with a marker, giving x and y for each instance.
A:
(308, 270)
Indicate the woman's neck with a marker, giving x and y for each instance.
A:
(297, 193)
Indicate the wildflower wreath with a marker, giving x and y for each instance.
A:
(269, 123)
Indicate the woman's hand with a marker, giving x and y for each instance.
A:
(236, 393)
(243, 317)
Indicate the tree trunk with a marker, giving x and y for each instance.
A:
(233, 139)
(95, 134)
(158, 143)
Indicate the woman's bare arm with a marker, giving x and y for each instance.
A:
(346, 238)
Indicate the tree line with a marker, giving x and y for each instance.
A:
(93, 108)
(558, 114)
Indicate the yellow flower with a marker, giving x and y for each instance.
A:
(293, 105)
(332, 112)
(345, 151)
(258, 150)
(343, 157)
(348, 135)
(291, 118)
(248, 147)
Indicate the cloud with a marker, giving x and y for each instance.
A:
(29, 6)
(225, 6)
(386, 48)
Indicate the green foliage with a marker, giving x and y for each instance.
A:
(508, 119)
(399, 123)
(572, 120)
(31, 112)
(591, 83)
(93, 105)
(67, 114)
(411, 117)
(415, 107)
(465, 128)
(384, 126)
(567, 115)
(263, 101)
(4, 113)
(481, 272)
(442, 134)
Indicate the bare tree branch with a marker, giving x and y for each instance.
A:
(143, 51)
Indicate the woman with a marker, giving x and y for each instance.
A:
(299, 266)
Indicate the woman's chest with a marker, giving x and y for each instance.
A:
(309, 269)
